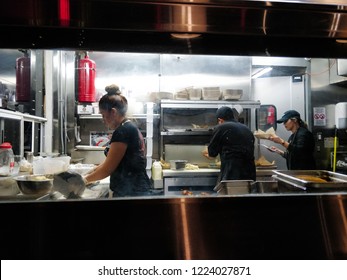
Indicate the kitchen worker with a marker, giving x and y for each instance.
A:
(300, 145)
(125, 161)
(234, 143)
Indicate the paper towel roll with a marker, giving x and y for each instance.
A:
(341, 115)
(330, 114)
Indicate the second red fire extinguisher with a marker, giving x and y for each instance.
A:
(86, 80)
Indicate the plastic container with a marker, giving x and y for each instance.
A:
(156, 171)
(195, 93)
(6, 159)
(211, 93)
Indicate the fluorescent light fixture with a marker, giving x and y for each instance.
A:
(261, 72)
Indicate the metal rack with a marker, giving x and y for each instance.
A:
(22, 118)
(179, 130)
(149, 116)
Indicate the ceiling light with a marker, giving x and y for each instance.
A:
(261, 72)
(185, 35)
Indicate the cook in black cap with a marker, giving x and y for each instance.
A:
(234, 143)
(300, 145)
(289, 115)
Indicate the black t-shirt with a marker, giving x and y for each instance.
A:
(234, 142)
(130, 178)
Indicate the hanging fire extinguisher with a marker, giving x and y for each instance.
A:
(23, 78)
(271, 115)
(86, 80)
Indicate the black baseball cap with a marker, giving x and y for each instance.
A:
(225, 113)
(289, 115)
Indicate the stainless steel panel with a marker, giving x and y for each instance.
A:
(286, 227)
(194, 184)
(233, 187)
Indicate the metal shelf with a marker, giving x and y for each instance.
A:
(172, 133)
(208, 104)
(134, 116)
(8, 114)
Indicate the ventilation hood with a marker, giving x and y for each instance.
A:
(272, 28)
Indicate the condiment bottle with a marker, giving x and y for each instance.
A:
(156, 170)
(6, 159)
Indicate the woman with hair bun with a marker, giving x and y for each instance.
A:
(300, 145)
(125, 161)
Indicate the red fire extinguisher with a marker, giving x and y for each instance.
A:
(23, 78)
(86, 80)
(271, 115)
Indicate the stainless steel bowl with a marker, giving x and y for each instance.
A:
(34, 184)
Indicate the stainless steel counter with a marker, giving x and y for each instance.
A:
(305, 227)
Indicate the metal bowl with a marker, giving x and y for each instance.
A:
(34, 184)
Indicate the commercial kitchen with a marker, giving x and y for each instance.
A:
(176, 62)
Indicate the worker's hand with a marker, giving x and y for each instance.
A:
(276, 139)
(206, 155)
(276, 150)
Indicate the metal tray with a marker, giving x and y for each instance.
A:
(231, 187)
(292, 179)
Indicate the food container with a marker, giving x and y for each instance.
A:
(232, 94)
(8, 186)
(310, 181)
(265, 186)
(232, 187)
(81, 168)
(211, 93)
(178, 164)
(51, 165)
(34, 184)
(195, 93)
(182, 94)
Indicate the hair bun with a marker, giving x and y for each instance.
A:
(112, 89)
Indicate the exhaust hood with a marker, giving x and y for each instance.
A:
(272, 28)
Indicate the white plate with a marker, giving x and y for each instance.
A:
(89, 148)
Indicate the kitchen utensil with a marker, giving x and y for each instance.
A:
(34, 184)
(178, 164)
(69, 183)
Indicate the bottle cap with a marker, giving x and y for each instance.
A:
(6, 145)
